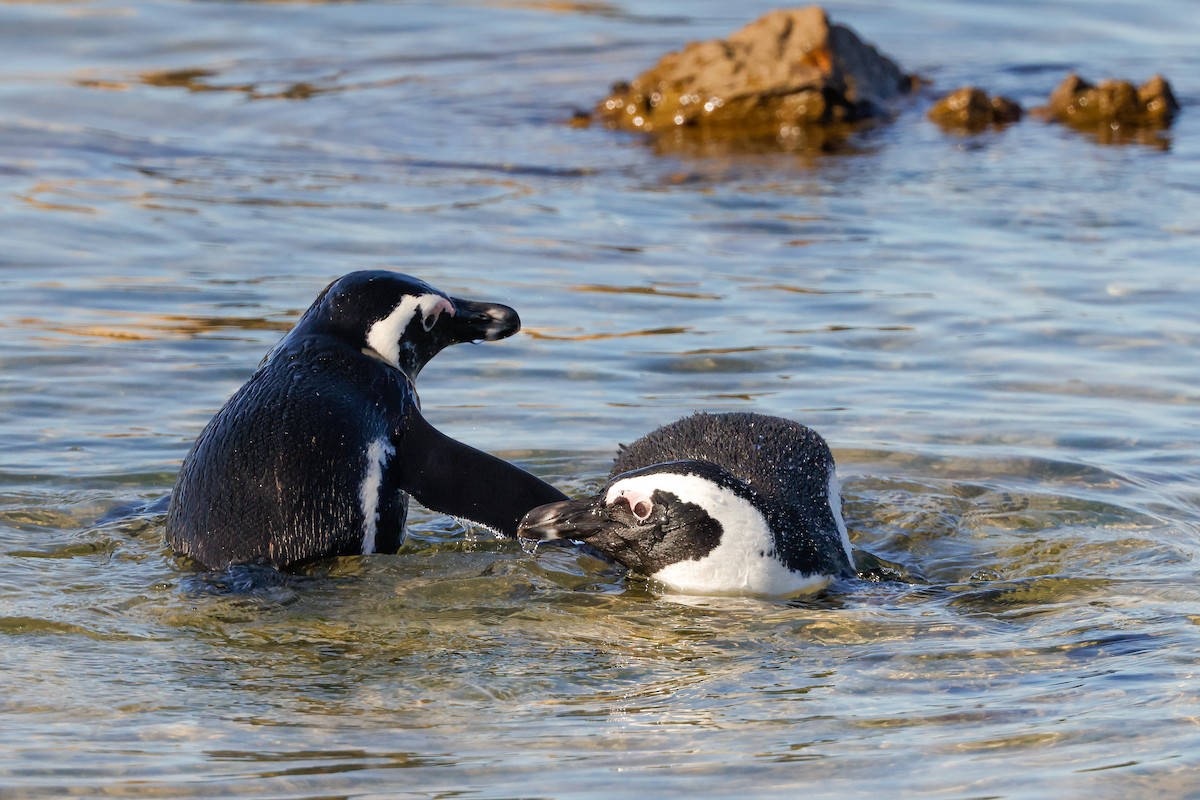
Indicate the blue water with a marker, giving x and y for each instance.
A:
(996, 334)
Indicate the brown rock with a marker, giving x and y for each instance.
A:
(971, 110)
(789, 68)
(1112, 104)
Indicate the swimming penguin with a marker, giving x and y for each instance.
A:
(716, 504)
(317, 453)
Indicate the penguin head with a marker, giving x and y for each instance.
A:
(403, 321)
(654, 519)
(694, 527)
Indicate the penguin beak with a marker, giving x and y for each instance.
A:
(475, 321)
(566, 519)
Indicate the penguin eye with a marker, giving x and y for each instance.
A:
(639, 505)
(435, 313)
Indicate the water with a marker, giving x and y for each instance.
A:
(997, 335)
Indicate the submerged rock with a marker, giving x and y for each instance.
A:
(1112, 104)
(789, 69)
(971, 110)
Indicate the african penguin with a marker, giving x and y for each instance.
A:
(734, 503)
(317, 453)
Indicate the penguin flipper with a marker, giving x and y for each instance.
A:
(452, 478)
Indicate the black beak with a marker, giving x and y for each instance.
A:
(475, 321)
(566, 519)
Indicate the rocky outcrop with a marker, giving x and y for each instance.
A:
(1112, 103)
(790, 68)
(794, 80)
(971, 110)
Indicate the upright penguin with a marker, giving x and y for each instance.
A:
(317, 453)
(716, 504)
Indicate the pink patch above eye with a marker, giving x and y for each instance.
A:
(442, 306)
(641, 505)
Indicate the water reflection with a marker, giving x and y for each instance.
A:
(135, 326)
(199, 79)
(656, 291)
(551, 334)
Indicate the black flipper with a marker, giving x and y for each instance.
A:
(456, 479)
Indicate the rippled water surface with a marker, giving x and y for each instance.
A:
(997, 335)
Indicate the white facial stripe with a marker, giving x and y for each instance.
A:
(368, 491)
(384, 336)
(739, 564)
(835, 505)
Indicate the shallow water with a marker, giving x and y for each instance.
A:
(997, 335)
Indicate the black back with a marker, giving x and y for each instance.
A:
(275, 476)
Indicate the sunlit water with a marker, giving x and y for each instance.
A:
(997, 335)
